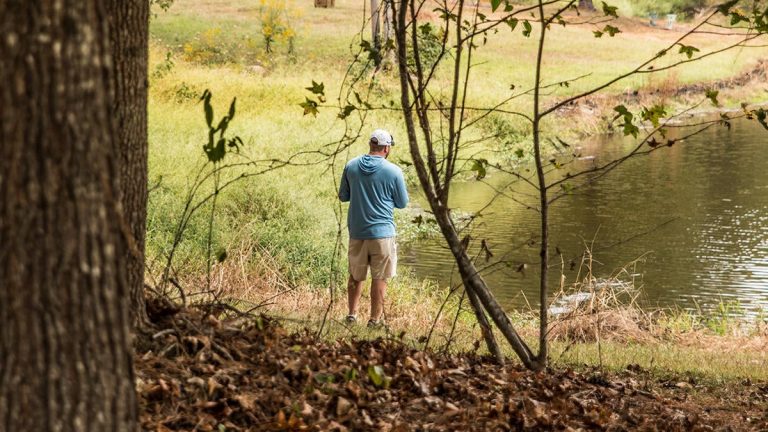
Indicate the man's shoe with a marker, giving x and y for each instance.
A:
(377, 324)
(350, 319)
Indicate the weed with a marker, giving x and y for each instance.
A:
(278, 23)
(165, 67)
(184, 92)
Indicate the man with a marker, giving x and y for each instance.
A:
(374, 187)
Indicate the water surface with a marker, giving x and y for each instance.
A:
(687, 223)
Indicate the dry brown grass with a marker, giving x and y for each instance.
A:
(608, 310)
(251, 279)
(608, 314)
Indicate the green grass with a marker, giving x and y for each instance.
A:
(723, 361)
(272, 125)
(291, 213)
(664, 358)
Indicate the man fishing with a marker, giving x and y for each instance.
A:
(374, 187)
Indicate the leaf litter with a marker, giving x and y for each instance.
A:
(250, 374)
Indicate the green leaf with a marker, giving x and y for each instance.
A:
(232, 109)
(762, 116)
(712, 95)
(350, 374)
(527, 28)
(479, 167)
(622, 110)
(235, 143)
(322, 378)
(310, 107)
(512, 23)
(653, 114)
(725, 8)
(319, 88)
(628, 126)
(217, 152)
(223, 124)
(495, 5)
(221, 256)
(206, 98)
(346, 111)
(737, 18)
(630, 129)
(611, 30)
(688, 50)
(610, 10)
(379, 379)
(519, 153)
(598, 33)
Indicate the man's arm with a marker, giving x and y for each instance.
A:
(401, 193)
(344, 187)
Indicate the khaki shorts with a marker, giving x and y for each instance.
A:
(378, 254)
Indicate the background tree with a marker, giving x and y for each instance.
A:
(438, 119)
(65, 345)
(129, 38)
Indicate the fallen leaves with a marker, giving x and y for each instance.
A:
(202, 373)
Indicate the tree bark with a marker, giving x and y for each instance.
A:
(376, 29)
(543, 200)
(129, 38)
(473, 282)
(485, 328)
(65, 341)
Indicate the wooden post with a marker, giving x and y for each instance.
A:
(375, 25)
(325, 3)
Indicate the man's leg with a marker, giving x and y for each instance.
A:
(378, 289)
(354, 291)
(358, 273)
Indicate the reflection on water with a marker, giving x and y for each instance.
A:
(689, 223)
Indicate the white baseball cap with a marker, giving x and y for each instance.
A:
(382, 137)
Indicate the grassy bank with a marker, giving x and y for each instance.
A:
(279, 229)
(219, 45)
(610, 330)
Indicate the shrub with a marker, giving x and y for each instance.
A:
(277, 19)
(216, 46)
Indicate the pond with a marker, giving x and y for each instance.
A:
(687, 224)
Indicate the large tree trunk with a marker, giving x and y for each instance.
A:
(65, 341)
(129, 33)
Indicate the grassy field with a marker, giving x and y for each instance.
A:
(279, 229)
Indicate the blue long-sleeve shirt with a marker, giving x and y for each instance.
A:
(374, 187)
